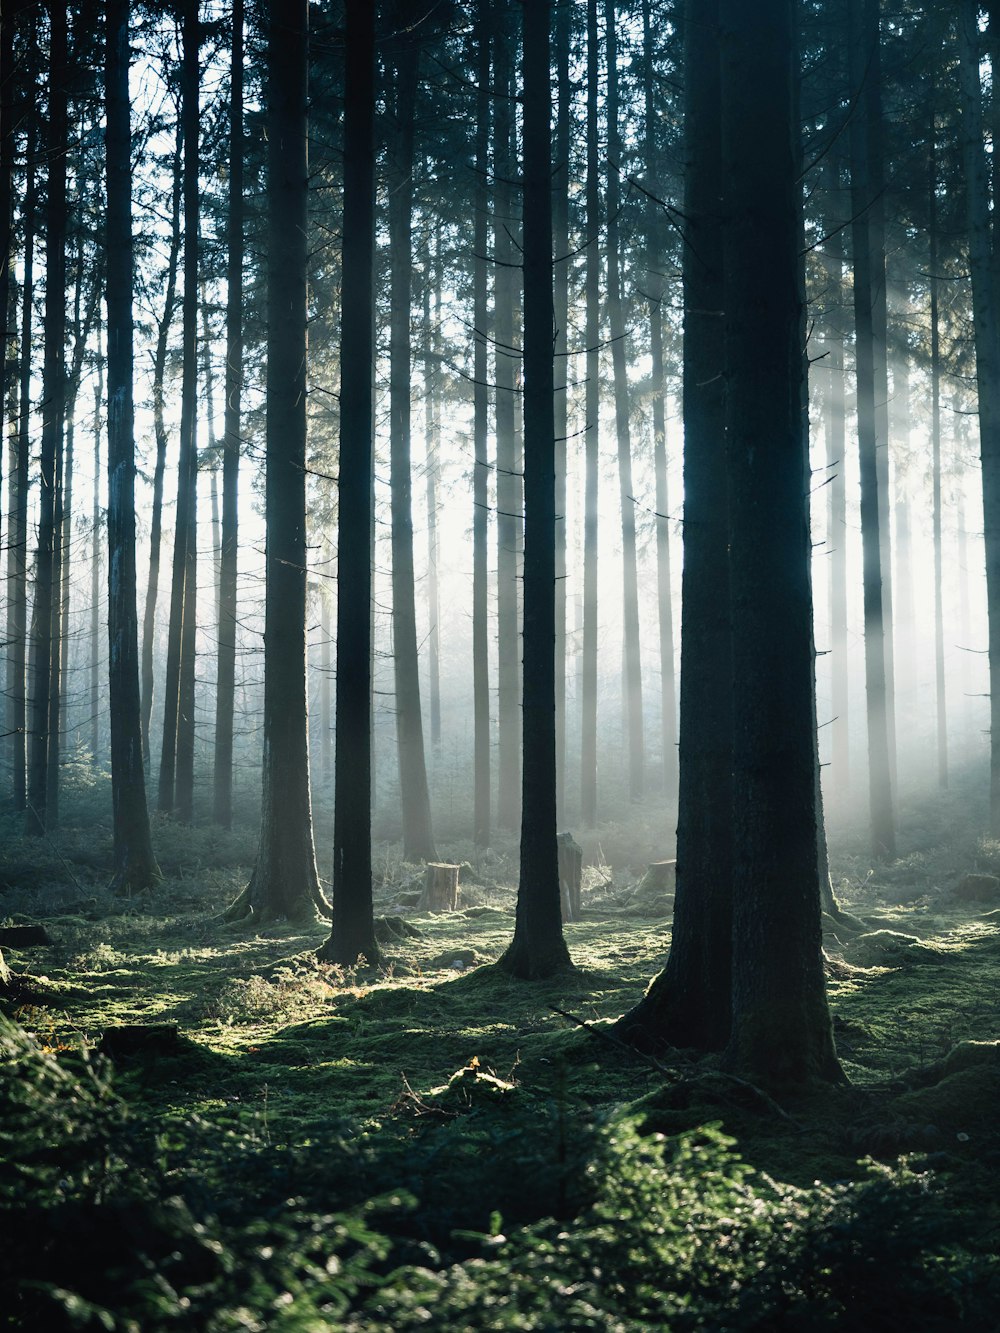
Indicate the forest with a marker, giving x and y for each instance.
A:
(500, 763)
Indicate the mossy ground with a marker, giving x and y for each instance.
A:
(440, 1081)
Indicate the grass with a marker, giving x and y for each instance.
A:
(372, 1148)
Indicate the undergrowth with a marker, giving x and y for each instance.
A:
(430, 1144)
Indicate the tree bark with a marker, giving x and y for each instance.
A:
(176, 786)
(616, 319)
(54, 399)
(222, 795)
(418, 836)
(940, 683)
(160, 434)
(836, 462)
(986, 321)
(688, 1004)
(868, 275)
(17, 534)
(353, 932)
(781, 1028)
(655, 295)
(508, 526)
(285, 881)
(561, 276)
(482, 798)
(592, 410)
(135, 865)
(538, 949)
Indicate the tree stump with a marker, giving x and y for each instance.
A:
(570, 876)
(440, 888)
(23, 937)
(659, 878)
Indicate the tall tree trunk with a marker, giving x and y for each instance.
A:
(655, 293)
(688, 1004)
(285, 881)
(592, 410)
(96, 546)
(135, 865)
(561, 274)
(836, 514)
(869, 274)
(480, 480)
(616, 318)
(7, 149)
(222, 795)
(508, 490)
(984, 261)
(17, 536)
(933, 261)
(53, 398)
(160, 434)
(353, 923)
(176, 785)
(538, 949)
(781, 1029)
(432, 435)
(418, 836)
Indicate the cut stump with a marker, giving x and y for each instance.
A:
(23, 937)
(440, 888)
(570, 876)
(659, 878)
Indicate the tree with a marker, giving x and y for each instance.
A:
(588, 730)
(418, 836)
(538, 949)
(688, 1004)
(54, 399)
(482, 811)
(353, 925)
(222, 807)
(616, 319)
(869, 312)
(135, 864)
(508, 526)
(176, 785)
(982, 263)
(781, 1029)
(285, 881)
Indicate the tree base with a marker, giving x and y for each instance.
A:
(533, 963)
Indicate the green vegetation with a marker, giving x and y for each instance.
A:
(432, 1145)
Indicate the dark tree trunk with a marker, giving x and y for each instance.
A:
(53, 398)
(869, 273)
(655, 295)
(592, 409)
(508, 490)
(538, 949)
(96, 546)
(986, 320)
(17, 537)
(481, 465)
(836, 514)
(561, 247)
(418, 836)
(688, 1004)
(222, 798)
(135, 865)
(176, 785)
(781, 1029)
(616, 319)
(933, 261)
(7, 147)
(353, 924)
(160, 434)
(285, 882)
(432, 437)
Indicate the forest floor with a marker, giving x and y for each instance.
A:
(433, 1145)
